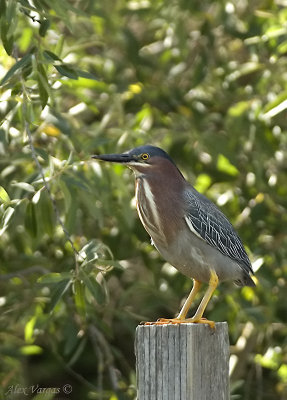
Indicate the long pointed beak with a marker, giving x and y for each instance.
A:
(116, 158)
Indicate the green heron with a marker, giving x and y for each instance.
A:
(187, 229)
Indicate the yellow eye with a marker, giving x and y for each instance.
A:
(145, 156)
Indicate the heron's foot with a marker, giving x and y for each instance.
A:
(165, 321)
(174, 321)
(201, 320)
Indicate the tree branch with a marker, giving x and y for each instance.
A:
(45, 182)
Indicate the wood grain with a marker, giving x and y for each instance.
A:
(182, 362)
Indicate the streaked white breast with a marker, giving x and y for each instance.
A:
(147, 209)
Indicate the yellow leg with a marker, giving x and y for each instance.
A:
(189, 300)
(181, 316)
(212, 285)
(197, 318)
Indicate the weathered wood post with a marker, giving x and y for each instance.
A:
(182, 362)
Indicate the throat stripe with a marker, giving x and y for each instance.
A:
(146, 207)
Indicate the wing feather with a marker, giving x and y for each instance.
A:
(211, 225)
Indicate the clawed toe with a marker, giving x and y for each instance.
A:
(175, 321)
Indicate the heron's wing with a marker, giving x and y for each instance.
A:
(206, 221)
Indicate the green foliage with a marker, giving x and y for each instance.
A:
(207, 82)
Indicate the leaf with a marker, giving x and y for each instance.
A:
(94, 288)
(31, 350)
(86, 75)
(53, 278)
(106, 265)
(10, 13)
(282, 372)
(24, 185)
(78, 351)
(203, 182)
(90, 251)
(44, 26)
(238, 109)
(80, 297)
(6, 219)
(4, 197)
(31, 220)
(224, 165)
(29, 114)
(43, 86)
(282, 48)
(51, 130)
(7, 39)
(68, 195)
(71, 338)
(29, 330)
(66, 71)
(42, 153)
(7, 24)
(36, 197)
(25, 39)
(58, 292)
(49, 55)
(24, 62)
(46, 213)
(276, 106)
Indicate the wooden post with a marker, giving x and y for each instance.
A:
(182, 362)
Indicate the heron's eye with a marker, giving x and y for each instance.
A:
(145, 156)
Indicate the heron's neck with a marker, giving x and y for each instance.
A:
(170, 180)
(158, 199)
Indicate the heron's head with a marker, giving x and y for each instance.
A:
(143, 160)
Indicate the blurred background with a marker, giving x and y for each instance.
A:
(206, 81)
